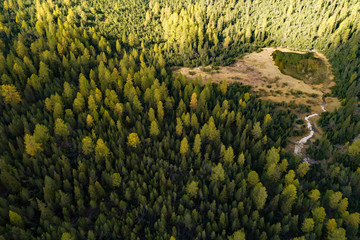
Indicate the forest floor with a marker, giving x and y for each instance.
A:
(259, 71)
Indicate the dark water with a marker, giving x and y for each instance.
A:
(304, 67)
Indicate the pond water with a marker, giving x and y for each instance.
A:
(302, 66)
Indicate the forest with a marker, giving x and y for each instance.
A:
(99, 139)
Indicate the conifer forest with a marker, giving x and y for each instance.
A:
(102, 138)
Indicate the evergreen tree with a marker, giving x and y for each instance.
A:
(154, 129)
(184, 146)
(31, 146)
(218, 173)
(133, 140)
(10, 94)
(192, 189)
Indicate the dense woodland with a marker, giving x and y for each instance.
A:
(100, 140)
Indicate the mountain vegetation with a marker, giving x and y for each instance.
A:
(100, 140)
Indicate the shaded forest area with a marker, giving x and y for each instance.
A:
(99, 140)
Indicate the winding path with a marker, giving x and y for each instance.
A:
(299, 145)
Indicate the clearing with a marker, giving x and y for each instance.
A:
(258, 70)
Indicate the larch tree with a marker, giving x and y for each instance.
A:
(337, 234)
(16, 219)
(218, 173)
(133, 140)
(41, 134)
(303, 168)
(354, 148)
(256, 131)
(61, 129)
(314, 195)
(193, 101)
(223, 87)
(184, 146)
(87, 145)
(31, 146)
(319, 215)
(247, 97)
(10, 94)
(288, 195)
(192, 189)
(116, 180)
(308, 225)
(160, 111)
(241, 159)
(259, 195)
(154, 129)
(179, 126)
(253, 178)
(238, 235)
(197, 144)
(229, 155)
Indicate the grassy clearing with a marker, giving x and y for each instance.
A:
(258, 69)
